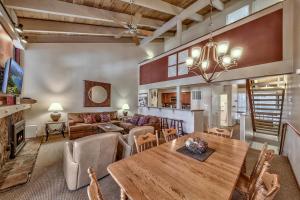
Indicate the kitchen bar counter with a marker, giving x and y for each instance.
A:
(192, 119)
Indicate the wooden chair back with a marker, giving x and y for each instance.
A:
(221, 132)
(170, 134)
(93, 189)
(146, 141)
(267, 187)
(263, 165)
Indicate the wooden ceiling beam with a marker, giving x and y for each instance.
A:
(47, 26)
(56, 38)
(192, 9)
(164, 7)
(77, 11)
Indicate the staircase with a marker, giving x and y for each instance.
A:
(266, 97)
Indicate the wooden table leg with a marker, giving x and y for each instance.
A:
(123, 195)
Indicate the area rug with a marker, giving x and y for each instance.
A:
(18, 171)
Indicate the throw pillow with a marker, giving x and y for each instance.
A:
(88, 119)
(113, 115)
(143, 120)
(135, 119)
(94, 118)
(105, 117)
(98, 117)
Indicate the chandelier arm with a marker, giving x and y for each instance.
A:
(213, 73)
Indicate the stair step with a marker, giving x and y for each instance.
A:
(267, 133)
(264, 104)
(267, 89)
(274, 109)
(265, 94)
(253, 99)
(263, 116)
(267, 123)
(267, 113)
(261, 127)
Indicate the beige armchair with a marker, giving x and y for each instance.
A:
(96, 151)
(127, 141)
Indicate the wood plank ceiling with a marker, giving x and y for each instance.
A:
(117, 6)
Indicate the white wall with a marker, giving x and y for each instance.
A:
(55, 73)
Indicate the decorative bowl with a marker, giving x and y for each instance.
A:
(196, 145)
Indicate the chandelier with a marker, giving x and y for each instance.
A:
(211, 60)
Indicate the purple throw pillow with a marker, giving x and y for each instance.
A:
(105, 117)
(135, 120)
(143, 120)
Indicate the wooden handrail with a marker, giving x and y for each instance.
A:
(249, 94)
(284, 129)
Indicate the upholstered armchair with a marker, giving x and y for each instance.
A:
(127, 141)
(96, 151)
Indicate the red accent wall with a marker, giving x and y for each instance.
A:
(261, 39)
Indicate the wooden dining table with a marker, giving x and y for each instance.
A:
(162, 173)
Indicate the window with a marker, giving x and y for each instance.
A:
(172, 65)
(237, 14)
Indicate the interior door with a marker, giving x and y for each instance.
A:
(223, 110)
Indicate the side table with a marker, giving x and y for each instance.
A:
(52, 127)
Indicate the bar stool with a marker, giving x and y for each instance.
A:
(164, 123)
(177, 124)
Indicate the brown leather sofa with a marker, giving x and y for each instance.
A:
(141, 120)
(79, 127)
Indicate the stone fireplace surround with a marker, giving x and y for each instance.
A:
(4, 130)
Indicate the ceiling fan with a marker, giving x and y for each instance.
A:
(132, 27)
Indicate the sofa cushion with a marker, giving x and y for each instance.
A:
(83, 127)
(135, 119)
(76, 118)
(126, 126)
(143, 120)
(105, 117)
(98, 117)
(153, 119)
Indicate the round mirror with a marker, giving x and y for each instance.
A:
(97, 94)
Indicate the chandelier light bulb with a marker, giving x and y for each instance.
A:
(236, 52)
(226, 60)
(196, 52)
(189, 62)
(205, 65)
(222, 48)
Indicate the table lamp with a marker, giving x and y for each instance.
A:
(55, 108)
(125, 108)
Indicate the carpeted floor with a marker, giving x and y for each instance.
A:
(47, 181)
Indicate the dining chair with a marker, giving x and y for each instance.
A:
(246, 183)
(146, 141)
(169, 134)
(93, 190)
(268, 188)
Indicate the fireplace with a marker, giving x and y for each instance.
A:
(17, 139)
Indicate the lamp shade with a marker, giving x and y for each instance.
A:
(125, 107)
(55, 107)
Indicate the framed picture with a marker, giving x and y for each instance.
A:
(143, 100)
(153, 100)
(96, 94)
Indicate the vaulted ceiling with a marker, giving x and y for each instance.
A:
(94, 20)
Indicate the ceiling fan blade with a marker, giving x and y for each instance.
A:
(120, 23)
(145, 32)
(136, 40)
(137, 18)
(121, 34)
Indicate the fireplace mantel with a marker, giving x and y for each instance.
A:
(9, 110)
